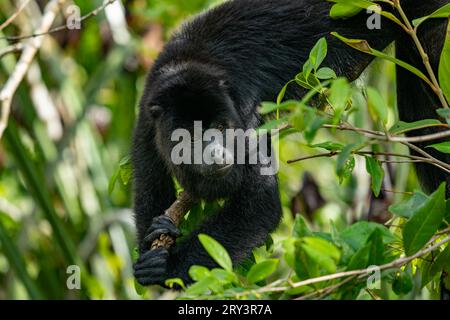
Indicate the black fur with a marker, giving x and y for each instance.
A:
(218, 68)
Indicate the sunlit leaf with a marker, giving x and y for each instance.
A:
(403, 127)
(318, 53)
(216, 251)
(262, 270)
(443, 147)
(375, 170)
(363, 46)
(443, 12)
(377, 105)
(425, 222)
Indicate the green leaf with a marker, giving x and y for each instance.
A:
(322, 252)
(223, 276)
(300, 228)
(340, 94)
(360, 259)
(112, 182)
(328, 145)
(377, 105)
(307, 69)
(442, 261)
(262, 270)
(357, 234)
(197, 273)
(373, 167)
(203, 286)
(126, 170)
(403, 283)
(313, 126)
(376, 248)
(305, 267)
(318, 53)
(402, 127)
(308, 81)
(363, 46)
(408, 207)
(322, 246)
(269, 107)
(443, 147)
(343, 11)
(244, 267)
(274, 124)
(216, 251)
(269, 244)
(444, 113)
(444, 64)
(193, 219)
(443, 12)
(175, 281)
(425, 222)
(345, 162)
(140, 289)
(282, 93)
(326, 73)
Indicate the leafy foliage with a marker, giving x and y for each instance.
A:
(58, 209)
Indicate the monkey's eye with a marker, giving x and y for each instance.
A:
(221, 128)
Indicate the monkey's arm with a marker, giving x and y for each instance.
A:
(243, 224)
(154, 190)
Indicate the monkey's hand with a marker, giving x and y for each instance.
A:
(160, 225)
(151, 267)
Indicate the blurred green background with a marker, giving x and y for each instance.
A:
(71, 125)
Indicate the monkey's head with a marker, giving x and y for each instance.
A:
(194, 118)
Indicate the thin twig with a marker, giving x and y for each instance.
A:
(413, 159)
(17, 47)
(326, 291)
(427, 155)
(361, 273)
(11, 18)
(424, 138)
(426, 60)
(62, 27)
(382, 136)
(21, 68)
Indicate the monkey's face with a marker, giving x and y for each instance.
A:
(195, 134)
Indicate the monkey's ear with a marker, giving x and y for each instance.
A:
(155, 111)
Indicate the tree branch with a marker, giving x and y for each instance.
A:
(21, 68)
(176, 212)
(361, 273)
(19, 46)
(425, 58)
(62, 27)
(11, 18)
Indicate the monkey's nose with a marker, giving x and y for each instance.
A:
(218, 155)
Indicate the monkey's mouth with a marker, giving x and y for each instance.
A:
(218, 172)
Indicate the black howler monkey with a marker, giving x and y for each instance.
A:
(217, 69)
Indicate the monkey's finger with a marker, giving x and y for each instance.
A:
(150, 272)
(150, 276)
(156, 234)
(156, 262)
(163, 222)
(160, 253)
